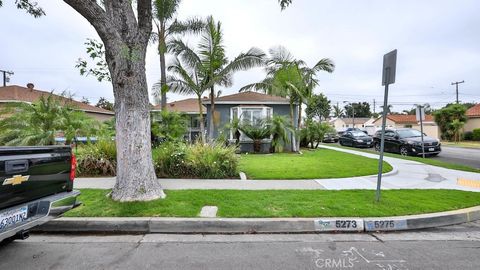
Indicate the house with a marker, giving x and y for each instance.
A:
(410, 121)
(190, 108)
(248, 106)
(473, 121)
(15, 93)
(341, 124)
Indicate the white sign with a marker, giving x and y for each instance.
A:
(420, 113)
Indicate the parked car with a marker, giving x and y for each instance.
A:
(407, 141)
(356, 138)
(330, 137)
(36, 186)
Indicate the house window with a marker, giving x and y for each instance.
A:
(250, 115)
(408, 126)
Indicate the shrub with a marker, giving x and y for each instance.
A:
(177, 160)
(468, 136)
(98, 159)
(476, 134)
(169, 159)
(212, 160)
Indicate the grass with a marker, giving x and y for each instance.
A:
(429, 161)
(463, 144)
(316, 164)
(280, 203)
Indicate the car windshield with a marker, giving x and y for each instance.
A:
(357, 134)
(408, 133)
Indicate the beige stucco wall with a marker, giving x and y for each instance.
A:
(99, 116)
(472, 123)
(431, 130)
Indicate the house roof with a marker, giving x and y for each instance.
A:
(249, 98)
(474, 111)
(188, 106)
(406, 119)
(15, 93)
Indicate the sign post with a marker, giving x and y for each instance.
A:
(420, 113)
(388, 77)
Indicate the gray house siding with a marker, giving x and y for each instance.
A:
(224, 111)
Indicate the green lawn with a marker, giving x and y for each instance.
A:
(463, 144)
(316, 164)
(427, 160)
(280, 203)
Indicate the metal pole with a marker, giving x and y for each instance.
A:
(421, 129)
(382, 140)
(4, 78)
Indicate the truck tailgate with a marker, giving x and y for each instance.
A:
(29, 173)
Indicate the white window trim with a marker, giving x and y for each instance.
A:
(240, 112)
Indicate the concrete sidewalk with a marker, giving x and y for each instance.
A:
(406, 175)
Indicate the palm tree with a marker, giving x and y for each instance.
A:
(167, 25)
(292, 78)
(187, 81)
(210, 64)
(280, 129)
(40, 122)
(337, 111)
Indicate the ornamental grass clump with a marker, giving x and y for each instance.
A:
(97, 159)
(177, 160)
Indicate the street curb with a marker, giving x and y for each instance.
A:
(259, 225)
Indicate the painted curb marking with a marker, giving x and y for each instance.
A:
(344, 224)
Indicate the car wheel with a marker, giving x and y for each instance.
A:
(341, 143)
(403, 151)
(377, 147)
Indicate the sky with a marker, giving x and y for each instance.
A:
(438, 42)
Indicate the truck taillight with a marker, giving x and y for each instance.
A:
(73, 167)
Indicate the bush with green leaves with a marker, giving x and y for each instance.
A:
(450, 119)
(97, 159)
(476, 134)
(178, 160)
(169, 126)
(468, 135)
(313, 132)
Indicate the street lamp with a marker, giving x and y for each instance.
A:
(353, 112)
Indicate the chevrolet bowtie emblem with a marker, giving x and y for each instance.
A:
(16, 180)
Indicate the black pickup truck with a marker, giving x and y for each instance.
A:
(36, 185)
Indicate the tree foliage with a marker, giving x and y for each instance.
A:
(318, 106)
(313, 132)
(40, 122)
(362, 109)
(96, 52)
(31, 7)
(449, 118)
(105, 104)
(170, 126)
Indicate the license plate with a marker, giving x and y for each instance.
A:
(368, 142)
(13, 217)
(431, 149)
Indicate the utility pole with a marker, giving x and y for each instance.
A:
(5, 77)
(374, 106)
(456, 86)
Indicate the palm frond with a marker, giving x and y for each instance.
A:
(192, 25)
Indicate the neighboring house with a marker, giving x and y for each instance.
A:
(410, 121)
(248, 106)
(473, 121)
(190, 108)
(341, 124)
(15, 93)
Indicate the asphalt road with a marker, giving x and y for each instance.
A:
(465, 156)
(456, 155)
(455, 247)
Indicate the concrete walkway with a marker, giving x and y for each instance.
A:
(406, 175)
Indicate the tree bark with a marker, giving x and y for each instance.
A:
(126, 39)
(202, 122)
(211, 127)
(163, 81)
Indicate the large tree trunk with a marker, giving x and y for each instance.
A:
(163, 81)
(136, 179)
(125, 34)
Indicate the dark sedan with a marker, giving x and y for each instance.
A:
(330, 137)
(407, 141)
(356, 139)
